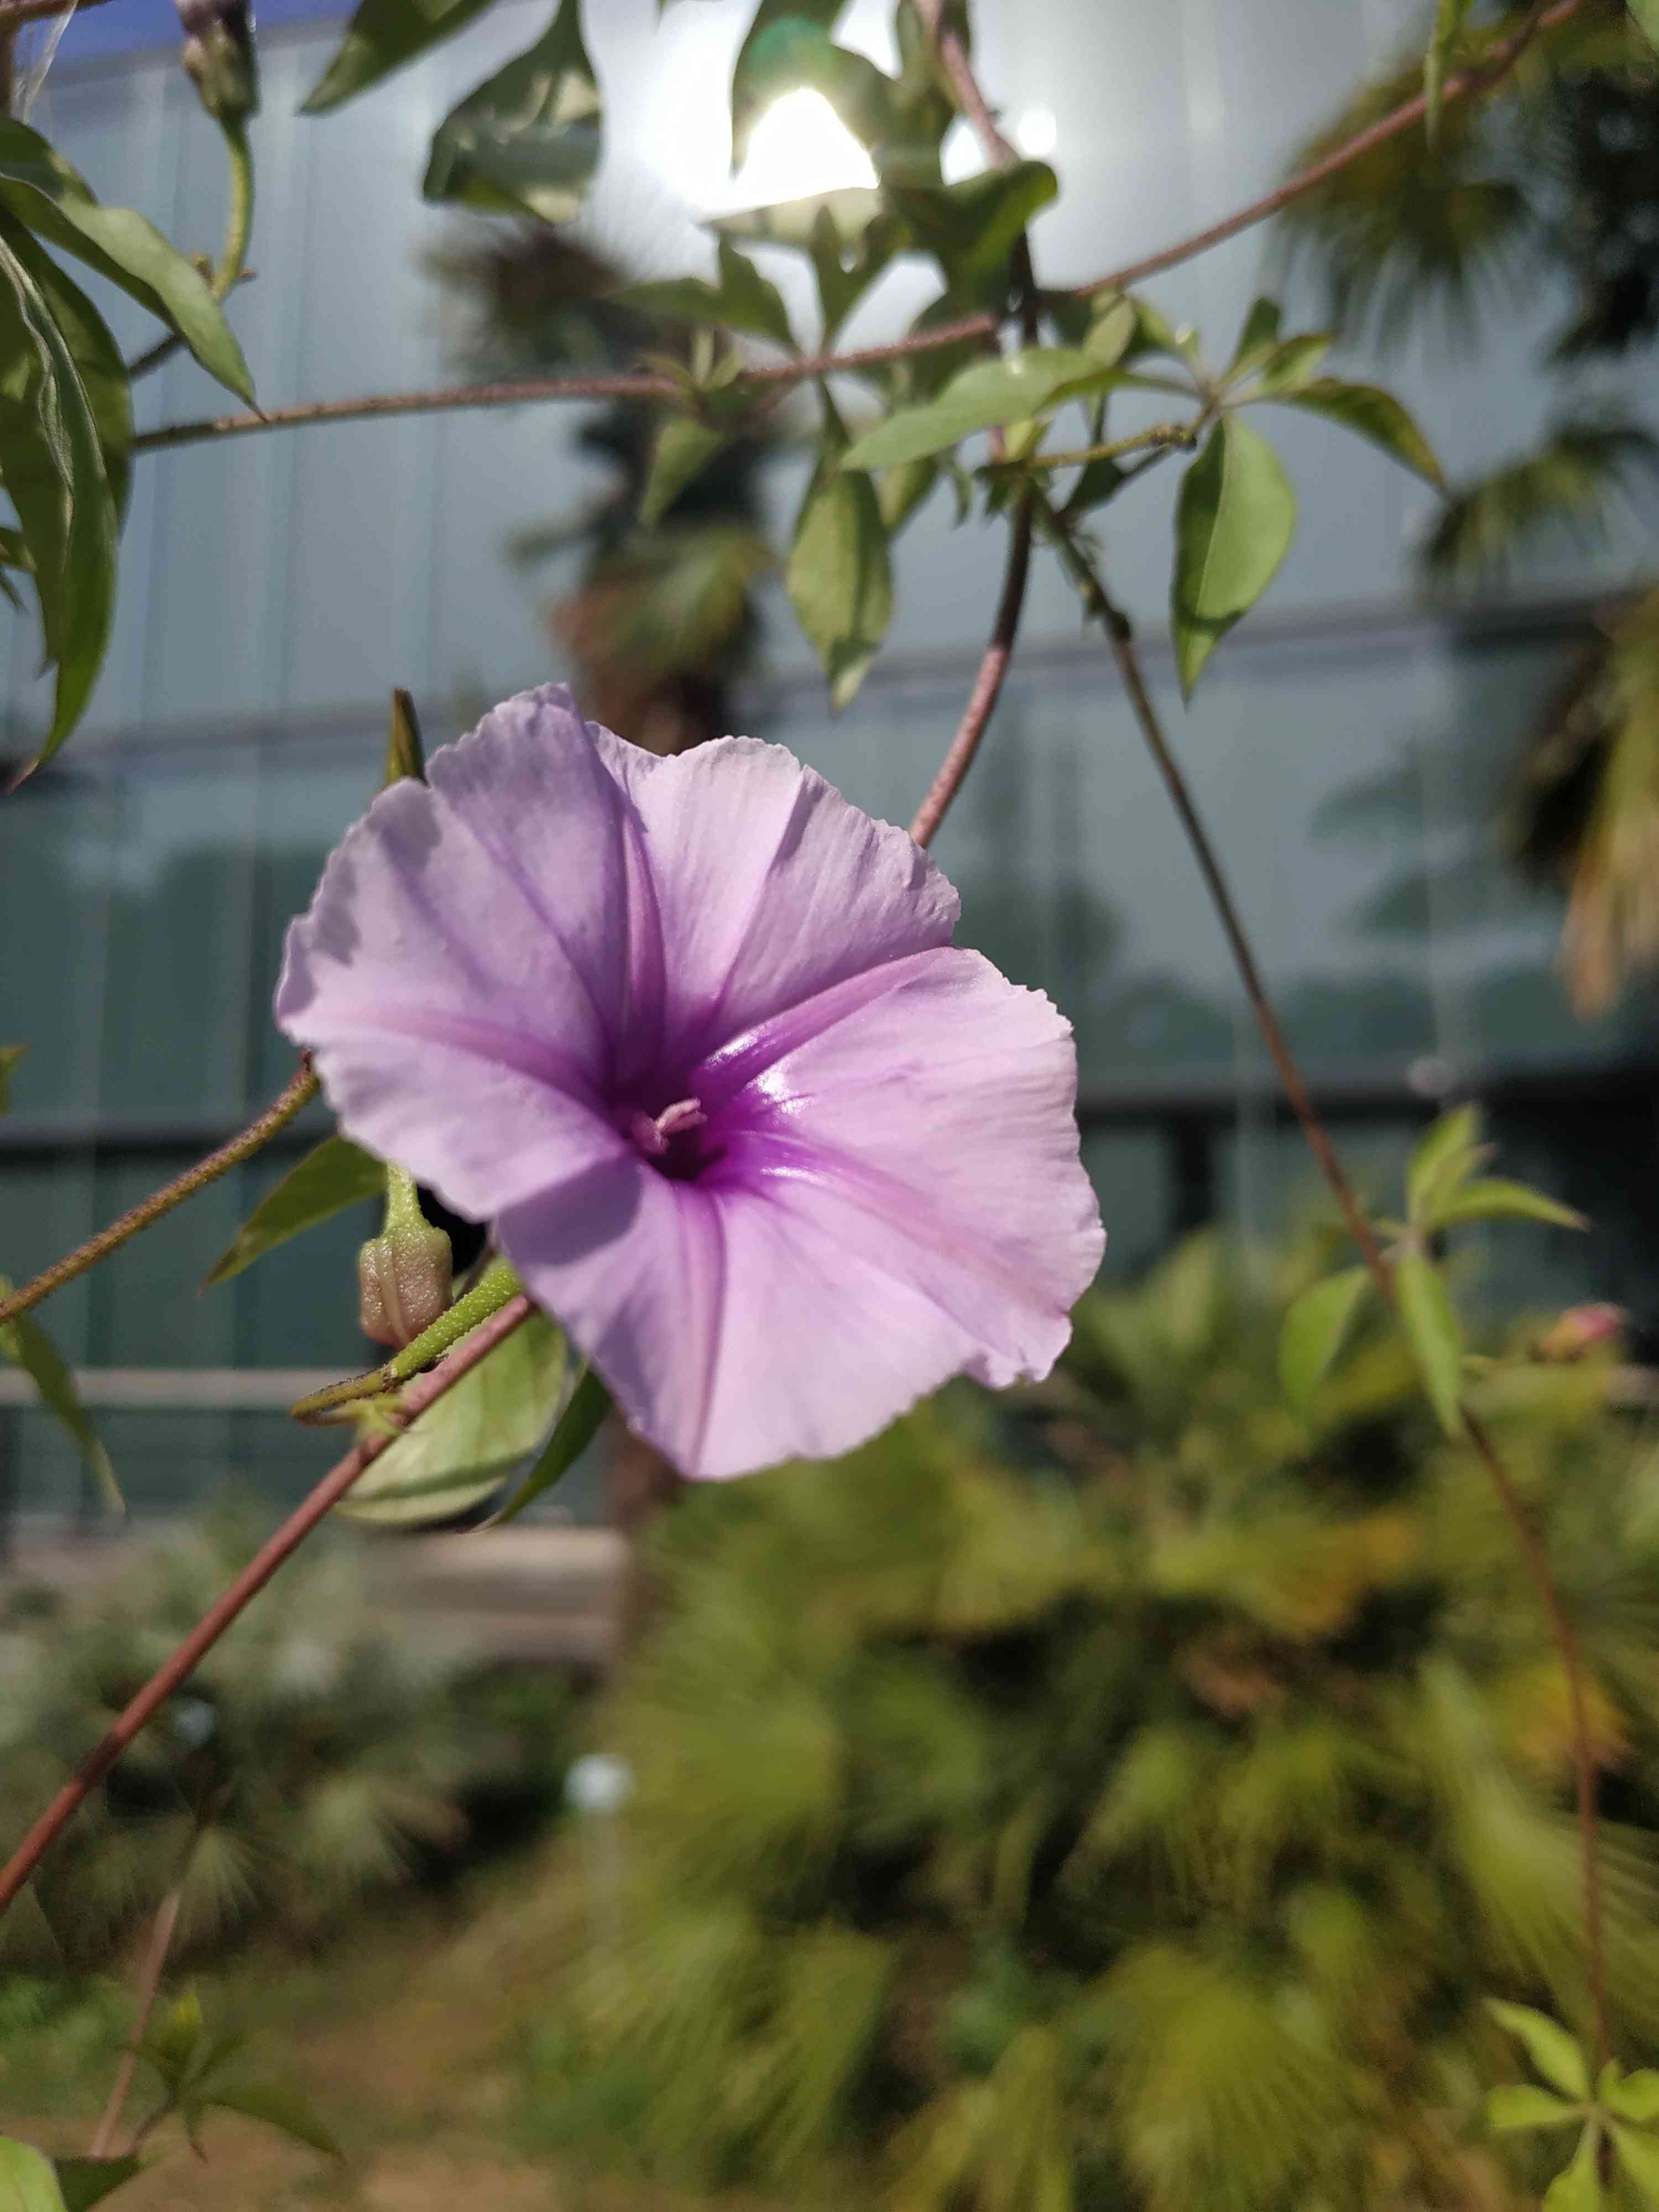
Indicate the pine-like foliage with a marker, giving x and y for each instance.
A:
(1130, 1806)
(316, 1759)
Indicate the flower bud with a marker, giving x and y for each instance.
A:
(1580, 1329)
(403, 1274)
(219, 58)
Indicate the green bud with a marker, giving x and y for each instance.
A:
(219, 57)
(404, 1282)
(405, 754)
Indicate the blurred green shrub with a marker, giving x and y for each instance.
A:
(1129, 1803)
(319, 1757)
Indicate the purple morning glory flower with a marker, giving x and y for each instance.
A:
(691, 1034)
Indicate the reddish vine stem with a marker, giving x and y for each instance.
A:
(1460, 86)
(987, 685)
(149, 1982)
(1563, 1634)
(424, 1391)
(299, 1093)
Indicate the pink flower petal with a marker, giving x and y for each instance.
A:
(772, 886)
(901, 1201)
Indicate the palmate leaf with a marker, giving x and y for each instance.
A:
(51, 463)
(1553, 2052)
(41, 189)
(526, 141)
(1234, 521)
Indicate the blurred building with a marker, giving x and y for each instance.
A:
(1347, 744)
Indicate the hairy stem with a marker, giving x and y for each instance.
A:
(1460, 86)
(498, 1283)
(1563, 1634)
(149, 1981)
(300, 1092)
(1159, 436)
(425, 1391)
(239, 220)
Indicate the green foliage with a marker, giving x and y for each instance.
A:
(384, 35)
(988, 395)
(1645, 14)
(28, 2183)
(469, 1444)
(741, 299)
(1172, 1776)
(1571, 484)
(85, 2182)
(839, 574)
(578, 1424)
(332, 1176)
(200, 2073)
(1234, 521)
(27, 1345)
(526, 141)
(315, 1761)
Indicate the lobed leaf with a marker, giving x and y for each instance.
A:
(1234, 517)
(50, 198)
(1364, 408)
(1313, 1331)
(1434, 1335)
(741, 300)
(527, 140)
(332, 1176)
(382, 36)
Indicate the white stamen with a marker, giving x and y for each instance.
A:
(652, 1136)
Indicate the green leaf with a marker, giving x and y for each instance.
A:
(1494, 1199)
(970, 229)
(573, 1432)
(52, 464)
(1288, 367)
(1111, 333)
(281, 2108)
(1432, 1331)
(26, 1344)
(1553, 2052)
(789, 48)
(1442, 1160)
(1634, 2097)
(1368, 412)
(900, 491)
(1639, 2156)
(839, 577)
(988, 395)
(102, 372)
(10, 1057)
(87, 2181)
(1313, 1331)
(381, 37)
(1578, 2188)
(528, 139)
(1645, 15)
(41, 189)
(465, 1446)
(1257, 338)
(685, 447)
(173, 2044)
(331, 1176)
(1449, 19)
(741, 300)
(1234, 522)
(1520, 2104)
(28, 2183)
